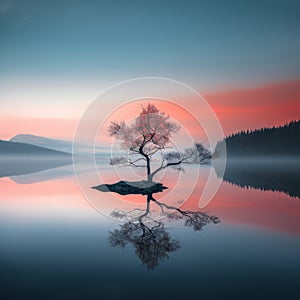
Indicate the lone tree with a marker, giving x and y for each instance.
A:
(149, 134)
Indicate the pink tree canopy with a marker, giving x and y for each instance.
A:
(151, 128)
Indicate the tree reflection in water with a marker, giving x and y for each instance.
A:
(148, 236)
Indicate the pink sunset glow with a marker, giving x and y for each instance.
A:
(237, 109)
(53, 128)
(263, 106)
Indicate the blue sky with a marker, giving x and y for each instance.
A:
(206, 43)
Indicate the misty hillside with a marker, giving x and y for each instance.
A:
(19, 158)
(54, 144)
(59, 145)
(265, 142)
(22, 149)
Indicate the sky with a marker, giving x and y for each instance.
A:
(57, 56)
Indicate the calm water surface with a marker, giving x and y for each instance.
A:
(55, 244)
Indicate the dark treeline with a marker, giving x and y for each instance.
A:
(276, 141)
(271, 173)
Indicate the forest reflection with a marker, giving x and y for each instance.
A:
(279, 174)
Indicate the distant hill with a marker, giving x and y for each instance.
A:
(54, 144)
(20, 158)
(57, 144)
(265, 142)
(23, 149)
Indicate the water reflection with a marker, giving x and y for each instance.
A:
(53, 242)
(55, 190)
(18, 165)
(274, 175)
(44, 175)
(151, 243)
(266, 175)
(145, 229)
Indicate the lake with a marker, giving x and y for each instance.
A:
(55, 244)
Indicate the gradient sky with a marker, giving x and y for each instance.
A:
(57, 56)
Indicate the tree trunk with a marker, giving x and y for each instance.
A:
(149, 175)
